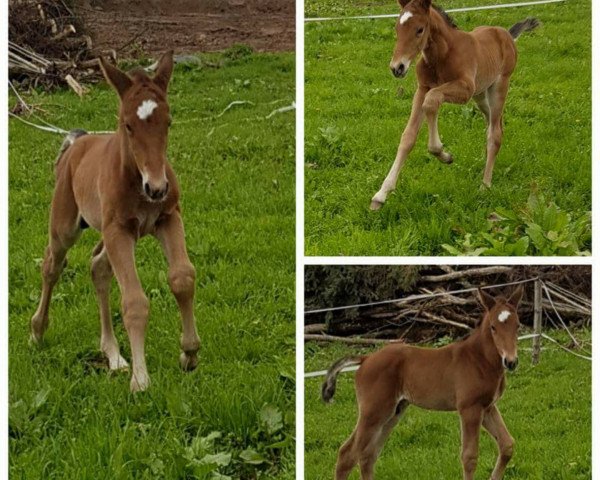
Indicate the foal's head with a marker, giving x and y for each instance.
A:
(412, 33)
(144, 121)
(503, 321)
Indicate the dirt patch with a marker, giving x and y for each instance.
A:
(146, 27)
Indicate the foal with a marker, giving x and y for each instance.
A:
(123, 186)
(467, 376)
(455, 66)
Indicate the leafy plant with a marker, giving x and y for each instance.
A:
(540, 228)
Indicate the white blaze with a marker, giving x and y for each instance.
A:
(503, 316)
(404, 17)
(146, 108)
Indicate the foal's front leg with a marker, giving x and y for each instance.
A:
(409, 137)
(452, 92)
(494, 424)
(120, 244)
(470, 421)
(182, 277)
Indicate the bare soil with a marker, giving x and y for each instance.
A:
(135, 28)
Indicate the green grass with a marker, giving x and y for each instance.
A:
(547, 408)
(355, 113)
(69, 418)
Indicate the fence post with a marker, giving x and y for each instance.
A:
(537, 322)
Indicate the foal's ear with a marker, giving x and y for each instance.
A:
(118, 79)
(486, 299)
(164, 70)
(424, 4)
(403, 3)
(516, 296)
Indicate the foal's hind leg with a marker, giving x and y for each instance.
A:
(409, 137)
(375, 424)
(64, 231)
(482, 102)
(102, 275)
(496, 96)
(494, 424)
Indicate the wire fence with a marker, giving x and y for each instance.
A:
(450, 10)
(547, 287)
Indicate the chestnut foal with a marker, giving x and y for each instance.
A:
(467, 376)
(455, 66)
(123, 186)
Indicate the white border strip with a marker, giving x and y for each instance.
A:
(451, 10)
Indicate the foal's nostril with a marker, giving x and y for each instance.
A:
(156, 193)
(399, 70)
(510, 364)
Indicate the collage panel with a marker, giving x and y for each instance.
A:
(168, 129)
(411, 107)
(448, 371)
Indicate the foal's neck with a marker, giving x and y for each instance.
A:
(440, 37)
(482, 342)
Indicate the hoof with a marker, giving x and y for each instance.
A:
(35, 340)
(139, 383)
(375, 205)
(188, 362)
(442, 156)
(118, 363)
(484, 187)
(446, 158)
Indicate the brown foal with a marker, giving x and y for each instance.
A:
(455, 66)
(466, 376)
(123, 186)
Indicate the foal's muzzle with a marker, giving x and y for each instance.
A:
(399, 71)
(510, 365)
(156, 194)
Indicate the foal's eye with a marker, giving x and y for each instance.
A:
(493, 328)
(420, 31)
(129, 129)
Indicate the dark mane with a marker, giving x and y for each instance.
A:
(445, 16)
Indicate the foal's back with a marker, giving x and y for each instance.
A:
(430, 378)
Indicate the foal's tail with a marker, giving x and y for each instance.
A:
(68, 141)
(328, 387)
(526, 25)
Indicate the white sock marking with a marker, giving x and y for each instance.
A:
(503, 316)
(405, 17)
(146, 109)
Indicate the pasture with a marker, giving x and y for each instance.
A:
(540, 199)
(232, 417)
(547, 409)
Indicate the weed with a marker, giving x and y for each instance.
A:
(541, 228)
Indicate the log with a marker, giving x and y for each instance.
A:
(349, 340)
(473, 272)
(315, 328)
(74, 84)
(438, 319)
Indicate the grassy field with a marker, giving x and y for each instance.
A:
(68, 417)
(356, 111)
(547, 409)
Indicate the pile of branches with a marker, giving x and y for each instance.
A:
(415, 319)
(48, 45)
